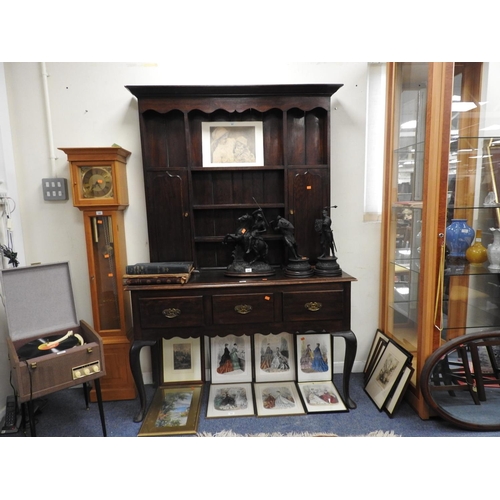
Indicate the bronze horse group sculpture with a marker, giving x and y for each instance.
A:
(250, 254)
(248, 237)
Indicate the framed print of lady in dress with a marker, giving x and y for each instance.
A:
(321, 397)
(277, 398)
(232, 400)
(314, 357)
(274, 357)
(230, 359)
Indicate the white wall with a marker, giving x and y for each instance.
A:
(90, 107)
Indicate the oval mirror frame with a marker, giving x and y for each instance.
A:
(469, 377)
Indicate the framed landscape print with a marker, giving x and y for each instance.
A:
(232, 144)
(314, 357)
(230, 359)
(277, 398)
(321, 397)
(386, 373)
(181, 360)
(274, 357)
(379, 342)
(233, 400)
(173, 411)
(392, 404)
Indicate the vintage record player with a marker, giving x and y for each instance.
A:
(49, 349)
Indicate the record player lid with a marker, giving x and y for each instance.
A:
(38, 300)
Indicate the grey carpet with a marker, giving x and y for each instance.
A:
(64, 414)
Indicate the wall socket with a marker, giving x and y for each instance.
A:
(55, 189)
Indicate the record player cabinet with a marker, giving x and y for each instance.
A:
(191, 207)
(39, 304)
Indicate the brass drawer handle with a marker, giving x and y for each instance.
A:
(243, 308)
(313, 306)
(171, 312)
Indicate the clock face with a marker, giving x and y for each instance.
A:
(97, 182)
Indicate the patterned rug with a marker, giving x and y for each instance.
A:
(230, 433)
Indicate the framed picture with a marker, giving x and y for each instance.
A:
(232, 400)
(381, 345)
(173, 411)
(181, 360)
(230, 359)
(277, 398)
(379, 341)
(232, 144)
(321, 397)
(386, 373)
(274, 357)
(392, 403)
(314, 357)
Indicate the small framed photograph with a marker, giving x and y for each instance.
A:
(379, 342)
(321, 397)
(232, 400)
(386, 373)
(277, 398)
(392, 404)
(173, 411)
(181, 360)
(231, 359)
(314, 357)
(274, 357)
(232, 144)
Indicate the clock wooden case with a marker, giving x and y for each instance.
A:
(100, 191)
(98, 177)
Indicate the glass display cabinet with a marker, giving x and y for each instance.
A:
(442, 165)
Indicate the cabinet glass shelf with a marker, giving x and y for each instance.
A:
(466, 269)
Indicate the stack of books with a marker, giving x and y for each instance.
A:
(158, 273)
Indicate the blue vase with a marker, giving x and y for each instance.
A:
(459, 237)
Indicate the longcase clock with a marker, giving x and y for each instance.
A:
(99, 187)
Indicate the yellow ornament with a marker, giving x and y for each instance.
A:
(477, 253)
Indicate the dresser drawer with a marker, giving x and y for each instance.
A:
(171, 312)
(247, 308)
(314, 306)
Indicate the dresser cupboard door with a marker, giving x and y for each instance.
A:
(170, 234)
(309, 194)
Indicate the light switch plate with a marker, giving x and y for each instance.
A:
(55, 189)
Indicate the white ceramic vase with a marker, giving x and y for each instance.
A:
(494, 250)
